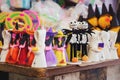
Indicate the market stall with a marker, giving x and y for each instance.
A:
(61, 40)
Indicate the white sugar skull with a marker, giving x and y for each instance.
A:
(73, 25)
(80, 25)
(84, 25)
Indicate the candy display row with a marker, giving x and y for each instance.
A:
(24, 41)
(26, 48)
(35, 49)
(95, 38)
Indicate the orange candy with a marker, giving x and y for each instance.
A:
(74, 59)
(85, 58)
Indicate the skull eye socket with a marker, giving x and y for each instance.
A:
(83, 22)
(75, 22)
(80, 22)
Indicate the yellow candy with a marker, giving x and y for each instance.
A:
(34, 48)
(0, 43)
(116, 29)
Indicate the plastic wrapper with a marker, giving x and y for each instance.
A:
(5, 6)
(50, 12)
(80, 9)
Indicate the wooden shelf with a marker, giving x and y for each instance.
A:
(53, 71)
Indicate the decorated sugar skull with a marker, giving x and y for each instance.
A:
(84, 25)
(79, 25)
(73, 24)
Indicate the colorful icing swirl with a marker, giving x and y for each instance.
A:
(35, 19)
(24, 21)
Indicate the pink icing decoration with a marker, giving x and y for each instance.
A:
(30, 12)
(17, 43)
(60, 49)
(60, 38)
(24, 29)
(21, 14)
(47, 37)
(13, 35)
(28, 26)
(29, 48)
(22, 46)
(55, 47)
(12, 46)
(8, 19)
(48, 48)
(20, 35)
(31, 37)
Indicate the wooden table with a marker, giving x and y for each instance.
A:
(89, 71)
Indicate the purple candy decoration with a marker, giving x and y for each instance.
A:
(50, 32)
(101, 45)
(50, 57)
(35, 21)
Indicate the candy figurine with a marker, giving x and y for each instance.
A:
(85, 32)
(1, 38)
(104, 25)
(84, 39)
(72, 39)
(39, 51)
(59, 48)
(96, 45)
(31, 44)
(118, 37)
(49, 53)
(113, 33)
(5, 48)
(14, 48)
(23, 49)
